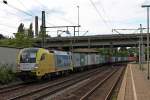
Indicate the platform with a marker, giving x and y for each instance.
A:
(135, 85)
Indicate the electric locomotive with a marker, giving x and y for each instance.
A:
(41, 63)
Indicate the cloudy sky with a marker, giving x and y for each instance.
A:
(96, 16)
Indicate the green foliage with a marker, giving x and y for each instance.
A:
(19, 42)
(7, 42)
(6, 74)
(115, 52)
(23, 40)
(2, 37)
(123, 51)
(104, 51)
(133, 50)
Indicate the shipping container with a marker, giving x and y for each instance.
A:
(106, 59)
(62, 60)
(119, 59)
(97, 59)
(103, 59)
(113, 59)
(91, 59)
(132, 58)
(126, 58)
(83, 59)
(76, 59)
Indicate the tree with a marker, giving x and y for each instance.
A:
(20, 35)
(30, 31)
(132, 51)
(2, 37)
(21, 28)
(114, 52)
(22, 39)
(104, 51)
(122, 51)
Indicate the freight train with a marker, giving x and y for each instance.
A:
(43, 63)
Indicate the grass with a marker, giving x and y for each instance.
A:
(6, 74)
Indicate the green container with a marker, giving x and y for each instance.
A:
(83, 59)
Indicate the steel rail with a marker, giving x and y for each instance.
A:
(84, 97)
(52, 85)
(113, 86)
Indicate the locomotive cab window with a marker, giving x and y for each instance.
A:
(28, 56)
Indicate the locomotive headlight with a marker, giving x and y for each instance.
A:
(18, 67)
(36, 66)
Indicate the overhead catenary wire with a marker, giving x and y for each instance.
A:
(103, 9)
(42, 5)
(4, 2)
(15, 8)
(135, 30)
(62, 18)
(20, 1)
(67, 20)
(32, 12)
(11, 6)
(99, 14)
(14, 14)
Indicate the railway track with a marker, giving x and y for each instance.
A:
(12, 87)
(103, 90)
(16, 86)
(99, 88)
(39, 91)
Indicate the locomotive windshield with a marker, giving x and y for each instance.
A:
(28, 55)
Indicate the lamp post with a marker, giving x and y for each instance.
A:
(147, 6)
(141, 47)
(78, 19)
(60, 33)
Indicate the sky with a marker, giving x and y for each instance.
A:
(96, 17)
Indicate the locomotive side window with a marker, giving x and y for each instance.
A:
(42, 57)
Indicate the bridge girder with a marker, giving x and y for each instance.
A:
(94, 41)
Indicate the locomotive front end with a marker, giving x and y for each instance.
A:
(27, 63)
